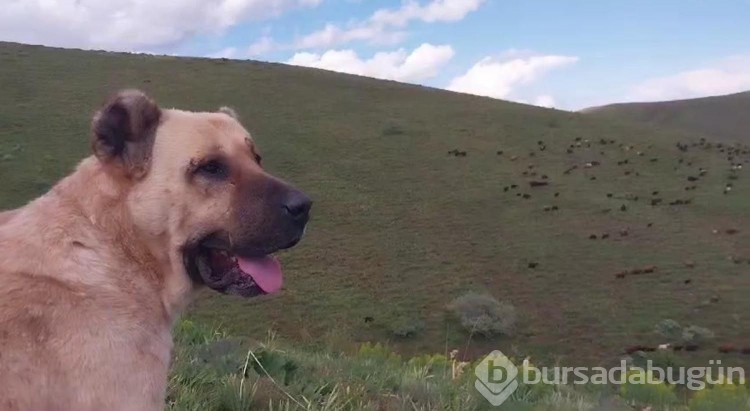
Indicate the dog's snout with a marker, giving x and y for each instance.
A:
(297, 205)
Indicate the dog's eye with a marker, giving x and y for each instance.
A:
(213, 169)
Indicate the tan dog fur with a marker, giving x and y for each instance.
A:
(91, 273)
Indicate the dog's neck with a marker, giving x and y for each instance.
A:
(107, 211)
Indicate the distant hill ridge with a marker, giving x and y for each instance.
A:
(722, 118)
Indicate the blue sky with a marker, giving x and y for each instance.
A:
(566, 54)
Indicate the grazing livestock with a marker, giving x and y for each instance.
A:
(726, 348)
(570, 169)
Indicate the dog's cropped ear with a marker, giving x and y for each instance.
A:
(123, 131)
(229, 111)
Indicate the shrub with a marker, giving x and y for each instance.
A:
(695, 335)
(725, 396)
(641, 387)
(669, 329)
(377, 352)
(406, 327)
(675, 333)
(483, 314)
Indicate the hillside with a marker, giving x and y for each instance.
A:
(401, 227)
(720, 118)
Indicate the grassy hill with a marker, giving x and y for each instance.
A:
(722, 118)
(401, 227)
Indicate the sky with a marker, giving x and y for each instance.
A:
(566, 54)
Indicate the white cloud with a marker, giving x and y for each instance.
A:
(544, 100)
(261, 46)
(128, 24)
(497, 78)
(229, 52)
(724, 77)
(332, 35)
(437, 10)
(385, 26)
(422, 63)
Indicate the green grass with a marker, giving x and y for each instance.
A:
(214, 372)
(400, 228)
(719, 118)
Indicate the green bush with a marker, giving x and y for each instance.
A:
(725, 396)
(378, 352)
(669, 329)
(675, 333)
(407, 327)
(696, 335)
(483, 314)
(640, 387)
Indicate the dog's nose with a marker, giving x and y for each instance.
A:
(297, 206)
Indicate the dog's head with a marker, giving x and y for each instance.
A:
(197, 187)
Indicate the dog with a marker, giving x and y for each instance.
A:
(94, 273)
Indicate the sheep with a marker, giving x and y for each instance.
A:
(664, 346)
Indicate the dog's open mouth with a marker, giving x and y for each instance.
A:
(226, 272)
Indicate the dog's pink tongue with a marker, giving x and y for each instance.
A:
(266, 272)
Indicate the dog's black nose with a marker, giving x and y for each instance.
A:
(297, 206)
